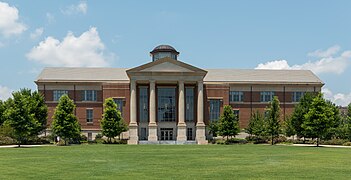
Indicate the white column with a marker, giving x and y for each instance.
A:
(152, 112)
(200, 125)
(181, 133)
(133, 126)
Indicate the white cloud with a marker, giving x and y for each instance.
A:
(9, 24)
(330, 62)
(81, 7)
(86, 50)
(50, 17)
(37, 33)
(338, 98)
(5, 92)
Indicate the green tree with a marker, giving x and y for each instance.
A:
(300, 110)
(112, 123)
(319, 119)
(273, 119)
(19, 116)
(65, 123)
(256, 124)
(213, 128)
(2, 112)
(288, 127)
(347, 123)
(228, 123)
(335, 123)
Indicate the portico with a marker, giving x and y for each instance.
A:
(166, 103)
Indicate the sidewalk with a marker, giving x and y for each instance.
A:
(314, 145)
(14, 146)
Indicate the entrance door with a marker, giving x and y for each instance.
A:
(166, 134)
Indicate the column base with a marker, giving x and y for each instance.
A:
(152, 133)
(200, 134)
(133, 134)
(181, 133)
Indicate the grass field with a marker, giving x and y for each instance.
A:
(175, 162)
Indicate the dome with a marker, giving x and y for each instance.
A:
(164, 48)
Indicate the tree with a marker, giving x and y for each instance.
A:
(40, 111)
(2, 112)
(273, 119)
(347, 122)
(256, 124)
(20, 117)
(112, 123)
(319, 119)
(65, 123)
(336, 121)
(300, 110)
(288, 127)
(228, 123)
(213, 128)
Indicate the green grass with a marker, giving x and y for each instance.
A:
(175, 162)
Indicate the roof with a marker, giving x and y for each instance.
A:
(164, 48)
(54, 74)
(261, 76)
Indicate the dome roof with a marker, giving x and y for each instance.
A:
(164, 48)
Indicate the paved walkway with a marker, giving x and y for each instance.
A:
(314, 145)
(14, 146)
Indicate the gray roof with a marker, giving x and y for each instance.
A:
(213, 75)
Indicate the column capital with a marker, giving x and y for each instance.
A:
(152, 81)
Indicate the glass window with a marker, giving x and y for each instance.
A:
(58, 93)
(236, 96)
(90, 115)
(214, 109)
(119, 103)
(297, 96)
(166, 104)
(189, 104)
(267, 96)
(189, 134)
(143, 104)
(89, 95)
(143, 134)
(237, 113)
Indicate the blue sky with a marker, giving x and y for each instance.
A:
(311, 35)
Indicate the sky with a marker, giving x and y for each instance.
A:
(268, 34)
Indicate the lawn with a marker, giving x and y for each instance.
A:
(175, 162)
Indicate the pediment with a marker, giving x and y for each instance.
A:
(166, 65)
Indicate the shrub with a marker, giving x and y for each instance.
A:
(236, 141)
(280, 139)
(334, 142)
(347, 144)
(257, 139)
(99, 136)
(6, 140)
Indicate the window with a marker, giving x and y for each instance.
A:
(90, 136)
(166, 105)
(214, 109)
(189, 104)
(236, 96)
(119, 103)
(189, 134)
(143, 104)
(58, 93)
(90, 115)
(237, 113)
(267, 96)
(297, 96)
(89, 95)
(143, 134)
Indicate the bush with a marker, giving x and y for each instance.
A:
(114, 141)
(6, 140)
(257, 139)
(334, 142)
(236, 141)
(280, 139)
(347, 144)
(301, 141)
(98, 136)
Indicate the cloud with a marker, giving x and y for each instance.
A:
(81, 7)
(37, 33)
(9, 24)
(330, 62)
(86, 50)
(338, 98)
(50, 17)
(5, 93)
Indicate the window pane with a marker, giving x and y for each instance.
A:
(90, 95)
(119, 103)
(214, 110)
(189, 104)
(166, 104)
(90, 115)
(143, 104)
(236, 96)
(58, 93)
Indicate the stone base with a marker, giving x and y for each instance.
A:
(201, 134)
(181, 134)
(152, 133)
(133, 134)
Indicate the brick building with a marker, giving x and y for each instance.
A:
(170, 101)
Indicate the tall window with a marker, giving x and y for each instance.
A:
(267, 96)
(237, 113)
(297, 96)
(166, 104)
(189, 104)
(143, 104)
(189, 134)
(236, 96)
(215, 105)
(119, 103)
(58, 93)
(90, 115)
(89, 95)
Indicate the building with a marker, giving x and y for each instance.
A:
(170, 101)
